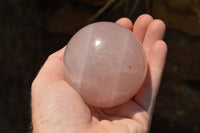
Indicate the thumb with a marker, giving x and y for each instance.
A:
(55, 105)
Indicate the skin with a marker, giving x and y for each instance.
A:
(58, 108)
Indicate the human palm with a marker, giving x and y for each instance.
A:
(58, 108)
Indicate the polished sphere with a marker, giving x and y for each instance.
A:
(105, 64)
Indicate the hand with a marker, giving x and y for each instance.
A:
(58, 108)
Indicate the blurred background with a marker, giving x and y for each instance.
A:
(30, 30)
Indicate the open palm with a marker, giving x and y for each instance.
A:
(58, 108)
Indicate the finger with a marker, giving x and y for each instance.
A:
(54, 63)
(140, 26)
(156, 65)
(51, 71)
(155, 31)
(126, 23)
(130, 110)
(157, 62)
(147, 95)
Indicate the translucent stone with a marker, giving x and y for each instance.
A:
(105, 64)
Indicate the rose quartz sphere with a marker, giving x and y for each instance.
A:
(105, 64)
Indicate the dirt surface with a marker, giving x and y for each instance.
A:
(32, 30)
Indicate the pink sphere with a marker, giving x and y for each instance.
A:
(105, 64)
